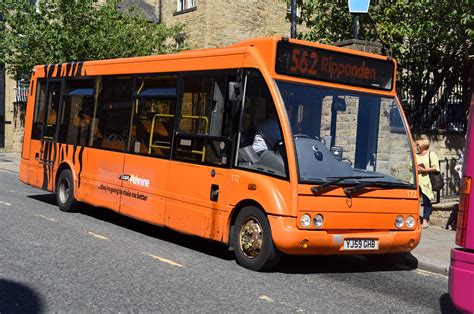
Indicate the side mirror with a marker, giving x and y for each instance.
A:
(235, 91)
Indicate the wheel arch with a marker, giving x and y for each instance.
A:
(235, 212)
(63, 166)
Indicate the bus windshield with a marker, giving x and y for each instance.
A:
(342, 134)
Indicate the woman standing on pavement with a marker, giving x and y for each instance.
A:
(427, 162)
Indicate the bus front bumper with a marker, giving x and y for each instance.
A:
(291, 240)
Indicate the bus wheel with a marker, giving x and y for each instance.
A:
(252, 240)
(65, 192)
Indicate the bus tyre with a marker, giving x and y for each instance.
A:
(65, 192)
(252, 240)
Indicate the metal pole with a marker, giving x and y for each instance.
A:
(356, 26)
(293, 18)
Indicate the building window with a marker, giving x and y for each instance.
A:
(185, 5)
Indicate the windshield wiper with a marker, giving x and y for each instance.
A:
(357, 189)
(326, 185)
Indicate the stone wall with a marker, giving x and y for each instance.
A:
(219, 23)
(14, 117)
(393, 151)
(393, 155)
(2, 105)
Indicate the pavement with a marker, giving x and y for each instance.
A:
(9, 162)
(432, 253)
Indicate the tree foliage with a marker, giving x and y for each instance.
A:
(54, 31)
(431, 40)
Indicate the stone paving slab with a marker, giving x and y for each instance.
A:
(434, 251)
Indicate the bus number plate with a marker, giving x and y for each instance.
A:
(361, 244)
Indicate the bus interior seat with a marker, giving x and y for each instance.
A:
(161, 130)
(113, 140)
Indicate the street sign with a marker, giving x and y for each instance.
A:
(359, 6)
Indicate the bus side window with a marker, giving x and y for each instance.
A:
(260, 147)
(53, 98)
(40, 109)
(112, 117)
(75, 122)
(204, 128)
(153, 115)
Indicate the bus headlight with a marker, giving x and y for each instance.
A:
(399, 222)
(318, 220)
(410, 222)
(305, 221)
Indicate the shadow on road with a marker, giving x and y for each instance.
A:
(446, 305)
(288, 264)
(345, 264)
(191, 242)
(45, 198)
(18, 298)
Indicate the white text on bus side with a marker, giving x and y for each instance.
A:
(139, 181)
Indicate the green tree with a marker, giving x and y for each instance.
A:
(55, 31)
(431, 40)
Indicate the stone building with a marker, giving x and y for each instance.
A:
(12, 113)
(207, 24)
(216, 23)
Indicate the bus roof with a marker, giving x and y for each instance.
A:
(263, 52)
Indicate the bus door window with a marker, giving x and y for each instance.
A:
(261, 143)
(203, 134)
(76, 112)
(53, 98)
(40, 110)
(112, 117)
(153, 111)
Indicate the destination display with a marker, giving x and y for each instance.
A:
(331, 66)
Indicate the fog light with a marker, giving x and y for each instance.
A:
(305, 220)
(318, 220)
(399, 222)
(410, 222)
(304, 244)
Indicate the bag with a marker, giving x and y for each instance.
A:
(437, 182)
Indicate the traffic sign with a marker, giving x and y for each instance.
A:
(359, 6)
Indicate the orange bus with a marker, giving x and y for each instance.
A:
(270, 146)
